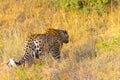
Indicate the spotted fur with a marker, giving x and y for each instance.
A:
(41, 44)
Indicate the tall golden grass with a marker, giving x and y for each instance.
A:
(90, 35)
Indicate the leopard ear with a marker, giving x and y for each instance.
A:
(65, 31)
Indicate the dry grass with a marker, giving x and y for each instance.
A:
(90, 35)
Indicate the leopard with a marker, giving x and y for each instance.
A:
(37, 45)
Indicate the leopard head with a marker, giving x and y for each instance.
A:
(62, 34)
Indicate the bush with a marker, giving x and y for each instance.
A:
(84, 5)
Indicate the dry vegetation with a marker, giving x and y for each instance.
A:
(93, 52)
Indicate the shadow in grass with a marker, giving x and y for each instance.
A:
(87, 51)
